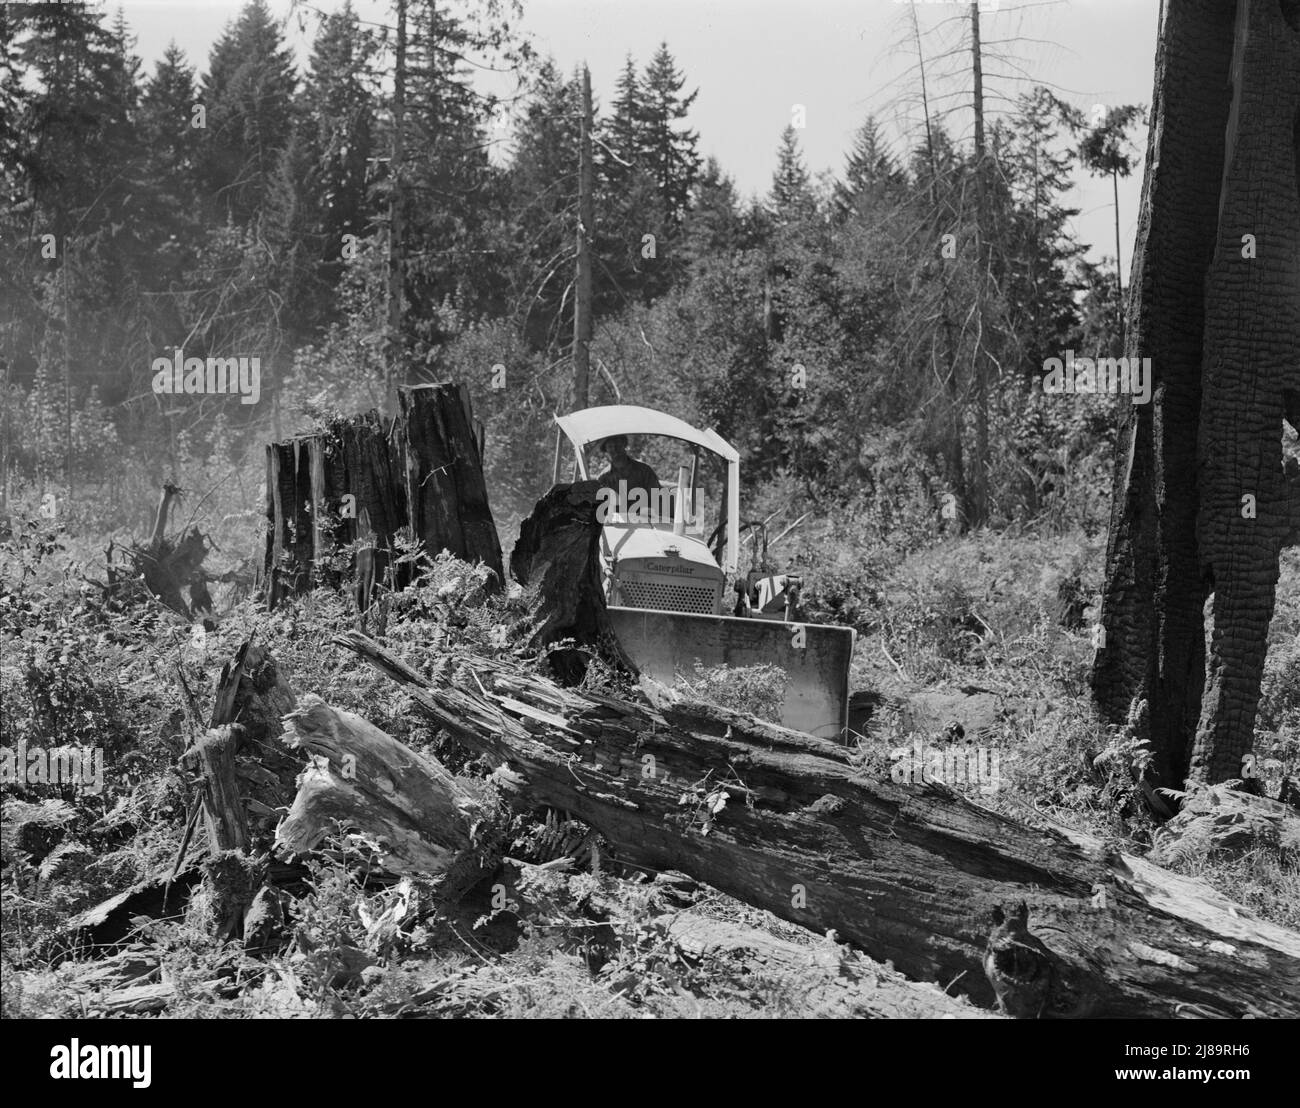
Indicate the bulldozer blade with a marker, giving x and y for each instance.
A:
(815, 657)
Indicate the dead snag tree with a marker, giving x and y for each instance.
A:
(366, 479)
(910, 874)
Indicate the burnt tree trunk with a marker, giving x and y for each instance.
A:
(253, 695)
(245, 774)
(910, 874)
(1250, 381)
(320, 490)
(289, 557)
(368, 478)
(1201, 506)
(1153, 647)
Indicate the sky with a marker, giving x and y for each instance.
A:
(754, 61)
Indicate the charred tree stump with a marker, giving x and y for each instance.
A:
(1251, 349)
(319, 490)
(909, 873)
(442, 468)
(224, 887)
(246, 777)
(367, 479)
(285, 566)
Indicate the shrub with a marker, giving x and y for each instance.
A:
(758, 690)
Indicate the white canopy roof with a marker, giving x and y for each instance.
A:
(593, 424)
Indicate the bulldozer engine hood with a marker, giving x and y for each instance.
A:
(651, 568)
(645, 543)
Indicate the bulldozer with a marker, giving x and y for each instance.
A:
(669, 561)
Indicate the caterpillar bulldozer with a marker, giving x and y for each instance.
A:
(670, 557)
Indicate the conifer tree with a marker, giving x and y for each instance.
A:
(543, 186)
(791, 200)
(170, 143)
(714, 227)
(338, 139)
(870, 177)
(248, 95)
(623, 131)
(669, 149)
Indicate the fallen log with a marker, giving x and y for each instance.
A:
(830, 980)
(135, 1000)
(426, 824)
(112, 922)
(908, 873)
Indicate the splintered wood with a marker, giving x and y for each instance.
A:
(362, 777)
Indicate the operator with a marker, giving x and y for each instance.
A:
(625, 471)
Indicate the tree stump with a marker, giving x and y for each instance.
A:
(371, 479)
